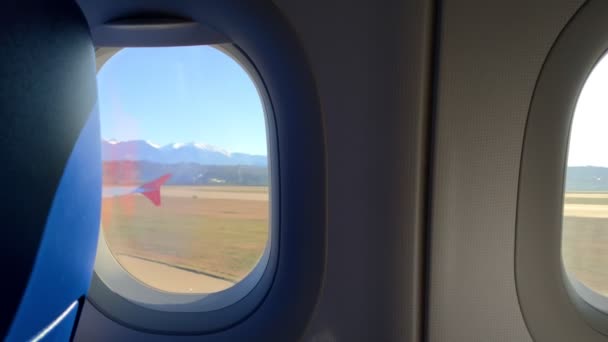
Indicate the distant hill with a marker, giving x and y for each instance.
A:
(128, 172)
(203, 154)
(587, 178)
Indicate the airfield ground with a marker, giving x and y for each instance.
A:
(201, 238)
(585, 239)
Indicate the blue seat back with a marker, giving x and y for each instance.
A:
(50, 172)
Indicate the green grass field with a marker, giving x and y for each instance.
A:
(215, 230)
(585, 239)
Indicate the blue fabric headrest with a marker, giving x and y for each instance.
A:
(50, 175)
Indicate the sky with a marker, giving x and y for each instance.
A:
(179, 95)
(589, 132)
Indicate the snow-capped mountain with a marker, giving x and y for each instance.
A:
(204, 154)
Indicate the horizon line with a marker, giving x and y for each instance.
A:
(203, 145)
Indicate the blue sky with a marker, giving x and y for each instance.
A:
(588, 138)
(179, 95)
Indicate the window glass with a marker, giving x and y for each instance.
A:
(585, 225)
(185, 205)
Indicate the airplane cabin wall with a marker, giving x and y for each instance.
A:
(491, 53)
(371, 65)
(371, 62)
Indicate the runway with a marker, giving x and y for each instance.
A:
(171, 279)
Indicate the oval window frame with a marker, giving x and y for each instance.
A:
(550, 301)
(116, 278)
(111, 279)
(281, 306)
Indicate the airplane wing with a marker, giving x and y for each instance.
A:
(152, 189)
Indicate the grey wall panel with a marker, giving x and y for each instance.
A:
(371, 63)
(491, 53)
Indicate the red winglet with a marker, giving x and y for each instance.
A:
(154, 196)
(152, 189)
(155, 184)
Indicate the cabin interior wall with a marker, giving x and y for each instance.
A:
(491, 54)
(371, 62)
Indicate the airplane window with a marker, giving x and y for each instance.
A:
(185, 205)
(585, 222)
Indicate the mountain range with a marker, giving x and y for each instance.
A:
(127, 172)
(587, 178)
(203, 154)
